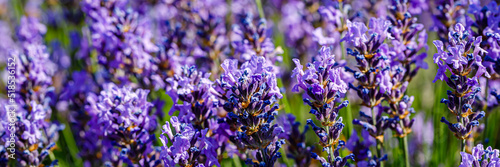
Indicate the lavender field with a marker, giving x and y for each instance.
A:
(258, 83)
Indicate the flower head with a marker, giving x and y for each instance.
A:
(249, 95)
(480, 157)
(122, 118)
(187, 146)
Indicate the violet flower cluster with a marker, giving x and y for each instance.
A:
(34, 134)
(249, 94)
(323, 91)
(123, 124)
(219, 70)
(463, 57)
(189, 146)
(480, 157)
(484, 23)
(372, 75)
(407, 39)
(76, 94)
(361, 148)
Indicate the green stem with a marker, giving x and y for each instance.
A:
(70, 141)
(405, 146)
(349, 120)
(236, 161)
(259, 7)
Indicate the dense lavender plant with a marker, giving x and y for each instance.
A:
(211, 33)
(199, 105)
(373, 73)
(323, 92)
(480, 157)
(250, 95)
(463, 57)
(121, 118)
(35, 135)
(409, 38)
(193, 88)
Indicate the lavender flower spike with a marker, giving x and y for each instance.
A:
(193, 88)
(463, 57)
(408, 38)
(250, 96)
(35, 136)
(122, 118)
(323, 91)
(373, 74)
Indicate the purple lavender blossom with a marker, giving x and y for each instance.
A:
(323, 91)
(188, 146)
(480, 157)
(122, 119)
(35, 134)
(199, 105)
(407, 38)
(375, 125)
(463, 56)
(121, 38)
(250, 97)
(417, 7)
(373, 75)
(297, 25)
(483, 23)
(360, 148)
(194, 89)
(76, 94)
